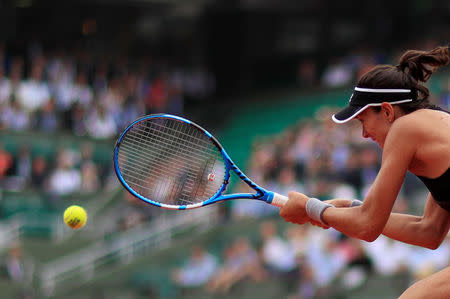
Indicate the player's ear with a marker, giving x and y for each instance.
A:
(388, 111)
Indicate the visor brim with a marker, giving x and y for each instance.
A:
(348, 113)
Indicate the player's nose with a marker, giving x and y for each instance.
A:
(364, 133)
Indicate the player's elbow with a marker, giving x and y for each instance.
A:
(434, 242)
(433, 245)
(432, 234)
(369, 236)
(369, 232)
(369, 224)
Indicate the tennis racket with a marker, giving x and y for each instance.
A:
(173, 163)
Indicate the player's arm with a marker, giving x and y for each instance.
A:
(367, 221)
(427, 231)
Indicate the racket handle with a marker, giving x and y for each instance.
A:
(278, 200)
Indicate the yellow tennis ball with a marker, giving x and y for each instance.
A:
(75, 217)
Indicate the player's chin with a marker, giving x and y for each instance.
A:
(380, 143)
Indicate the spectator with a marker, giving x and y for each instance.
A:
(46, 118)
(370, 164)
(388, 264)
(112, 99)
(23, 163)
(157, 98)
(307, 286)
(6, 162)
(61, 79)
(131, 109)
(77, 123)
(198, 269)
(337, 73)
(18, 267)
(82, 92)
(39, 173)
(100, 124)
(14, 117)
(287, 181)
(85, 154)
(33, 93)
(324, 258)
(306, 76)
(241, 262)
(359, 266)
(351, 174)
(89, 178)
(5, 87)
(277, 254)
(64, 179)
(15, 75)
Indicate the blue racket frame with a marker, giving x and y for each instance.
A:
(261, 193)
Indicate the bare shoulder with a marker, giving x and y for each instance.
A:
(421, 122)
(407, 126)
(412, 130)
(421, 139)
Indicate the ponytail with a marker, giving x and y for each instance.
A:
(422, 64)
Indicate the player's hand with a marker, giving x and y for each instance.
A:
(295, 208)
(339, 202)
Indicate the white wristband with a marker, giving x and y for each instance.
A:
(356, 203)
(315, 209)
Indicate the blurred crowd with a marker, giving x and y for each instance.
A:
(91, 93)
(307, 261)
(68, 171)
(345, 69)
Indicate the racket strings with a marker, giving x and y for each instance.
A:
(139, 181)
(171, 162)
(193, 136)
(145, 150)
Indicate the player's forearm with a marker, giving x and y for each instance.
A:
(338, 203)
(354, 222)
(346, 216)
(404, 228)
(413, 230)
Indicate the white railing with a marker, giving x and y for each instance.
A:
(10, 232)
(125, 247)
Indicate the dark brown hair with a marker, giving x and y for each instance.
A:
(414, 67)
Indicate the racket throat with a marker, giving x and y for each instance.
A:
(265, 196)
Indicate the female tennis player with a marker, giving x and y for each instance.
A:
(394, 110)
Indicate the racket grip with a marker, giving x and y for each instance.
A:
(279, 200)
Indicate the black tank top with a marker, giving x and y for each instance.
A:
(439, 188)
